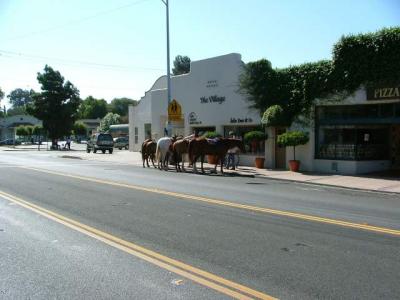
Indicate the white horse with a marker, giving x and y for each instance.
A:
(163, 152)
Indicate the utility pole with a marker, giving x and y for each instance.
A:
(168, 65)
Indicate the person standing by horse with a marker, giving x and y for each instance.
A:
(231, 163)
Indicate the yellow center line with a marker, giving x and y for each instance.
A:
(222, 285)
(229, 204)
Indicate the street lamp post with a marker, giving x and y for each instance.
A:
(168, 65)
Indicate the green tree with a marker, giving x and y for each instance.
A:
(19, 110)
(56, 105)
(38, 130)
(21, 130)
(92, 108)
(79, 128)
(20, 97)
(181, 65)
(369, 59)
(108, 120)
(293, 139)
(120, 106)
(1, 94)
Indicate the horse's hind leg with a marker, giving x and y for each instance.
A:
(202, 162)
(147, 161)
(166, 159)
(194, 164)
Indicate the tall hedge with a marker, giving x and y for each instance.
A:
(369, 59)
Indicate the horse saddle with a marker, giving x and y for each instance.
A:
(214, 141)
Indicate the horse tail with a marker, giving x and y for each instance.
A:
(142, 150)
(158, 152)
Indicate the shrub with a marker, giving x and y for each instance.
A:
(275, 116)
(38, 130)
(255, 135)
(21, 130)
(211, 135)
(79, 128)
(293, 138)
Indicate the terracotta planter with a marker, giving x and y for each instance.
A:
(294, 165)
(259, 162)
(212, 159)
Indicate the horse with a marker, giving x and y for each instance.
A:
(148, 150)
(163, 151)
(200, 147)
(180, 150)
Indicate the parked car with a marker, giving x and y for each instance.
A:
(100, 141)
(121, 142)
(10, 142)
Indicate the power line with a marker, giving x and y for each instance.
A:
(24, 83)
(15, 55)
(77, 21)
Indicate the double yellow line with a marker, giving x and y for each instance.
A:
(229, 204)
(222, 285)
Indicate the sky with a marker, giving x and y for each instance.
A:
(117, 48)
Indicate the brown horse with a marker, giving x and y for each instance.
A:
(219, 147)
(179, 150)
(148, 151)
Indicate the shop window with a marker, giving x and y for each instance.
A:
(202, 130)
(353, 114)
(240, 131)
(397, 110)
(147, 131)
(352, 142)
(136, 135)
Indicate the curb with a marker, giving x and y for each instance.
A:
(328, 185)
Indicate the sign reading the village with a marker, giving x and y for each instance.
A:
(384, 93)
(174, 111)
(212, 99)
(193, 119)
(241, 120)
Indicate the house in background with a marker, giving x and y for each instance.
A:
(91, 125)
(8, 125)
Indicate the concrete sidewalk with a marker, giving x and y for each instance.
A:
(362, 182)
(354, 182)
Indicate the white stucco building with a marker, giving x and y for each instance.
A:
(359, 134)
(209, 100)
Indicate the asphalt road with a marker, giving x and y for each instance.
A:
(280, 255)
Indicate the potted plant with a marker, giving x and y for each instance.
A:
(211, 159)
(254, 138)
(293, 138)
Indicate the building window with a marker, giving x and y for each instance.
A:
(355, 132)
(351, 142)
(136, 135)
(147, 131)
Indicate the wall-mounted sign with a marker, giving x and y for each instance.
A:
(212, 83)
(384, 93)
(212, 99)
(241, 120)
(193, 119)
(175, 111)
